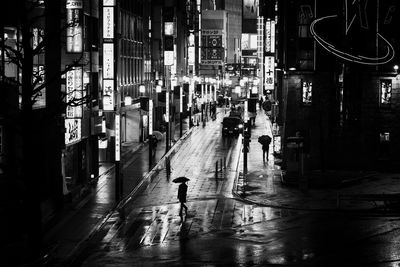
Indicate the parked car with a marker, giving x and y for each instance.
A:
(232, 126)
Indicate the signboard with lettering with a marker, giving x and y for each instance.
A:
(74, 31)
(73, 92)
(108, 95)
(72, 131)
(40, 97)
(117, 137)
(269, 73)
(306, 93)
(212, 50)
(150, 116)
(108, 61)
(74, 4)
(108, 22)
(108, 2)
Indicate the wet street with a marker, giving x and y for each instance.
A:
(221, 230)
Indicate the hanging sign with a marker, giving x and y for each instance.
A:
(72, 131)
(117, 137)
(269, 74)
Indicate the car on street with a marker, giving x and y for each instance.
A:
(232, 126)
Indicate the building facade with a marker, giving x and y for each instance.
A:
(338, 84)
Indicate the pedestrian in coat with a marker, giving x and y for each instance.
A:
(182, 192)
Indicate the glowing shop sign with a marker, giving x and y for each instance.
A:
(108, 61)
(74, 4)
(73, 91)
(72, 131)
(167, 106)
(108, 22)
(108, 2)
(150, 116)
(386, 91)
(306, 93)
(117, 138)
(108, 95)
(74, 31)
(269, 74)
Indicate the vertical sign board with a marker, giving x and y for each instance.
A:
(167, 106)
(108, 55)
(246, 111)
(306, 93)
(272, 36)
(180, 99)
(386, 92)
(73, 113)
(72, 131)
(117, 137)
(191, 90)
(108, 22)
(108, 61)
(150, 116)
(108, 95)
(260, 51)
(269, 73)
(74, 32)
(268, 36)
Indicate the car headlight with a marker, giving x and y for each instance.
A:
(240, 126)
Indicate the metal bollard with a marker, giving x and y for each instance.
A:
(224, 162)
(220, 160)
(216, 169)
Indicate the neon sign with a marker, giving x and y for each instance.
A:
(352, 11)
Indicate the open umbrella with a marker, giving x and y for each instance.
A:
(180, 179)
(264, 139)
(158, 135)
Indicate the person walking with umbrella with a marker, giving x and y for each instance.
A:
(265, 140)
(182, 193)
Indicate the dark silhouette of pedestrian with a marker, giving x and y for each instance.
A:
(182, 192)
(265, 148)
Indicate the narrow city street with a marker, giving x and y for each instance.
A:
(221, 230)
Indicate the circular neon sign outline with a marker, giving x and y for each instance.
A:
(357, 59)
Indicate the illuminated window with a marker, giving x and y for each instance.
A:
(385, 92)
(306, 93)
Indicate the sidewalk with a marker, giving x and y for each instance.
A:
(264, 184)
(76, 225)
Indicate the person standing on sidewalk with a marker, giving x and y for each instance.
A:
(182, 192)
(265, 148)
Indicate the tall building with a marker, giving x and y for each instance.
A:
(338, 83)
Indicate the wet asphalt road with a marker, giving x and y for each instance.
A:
(223, 231)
